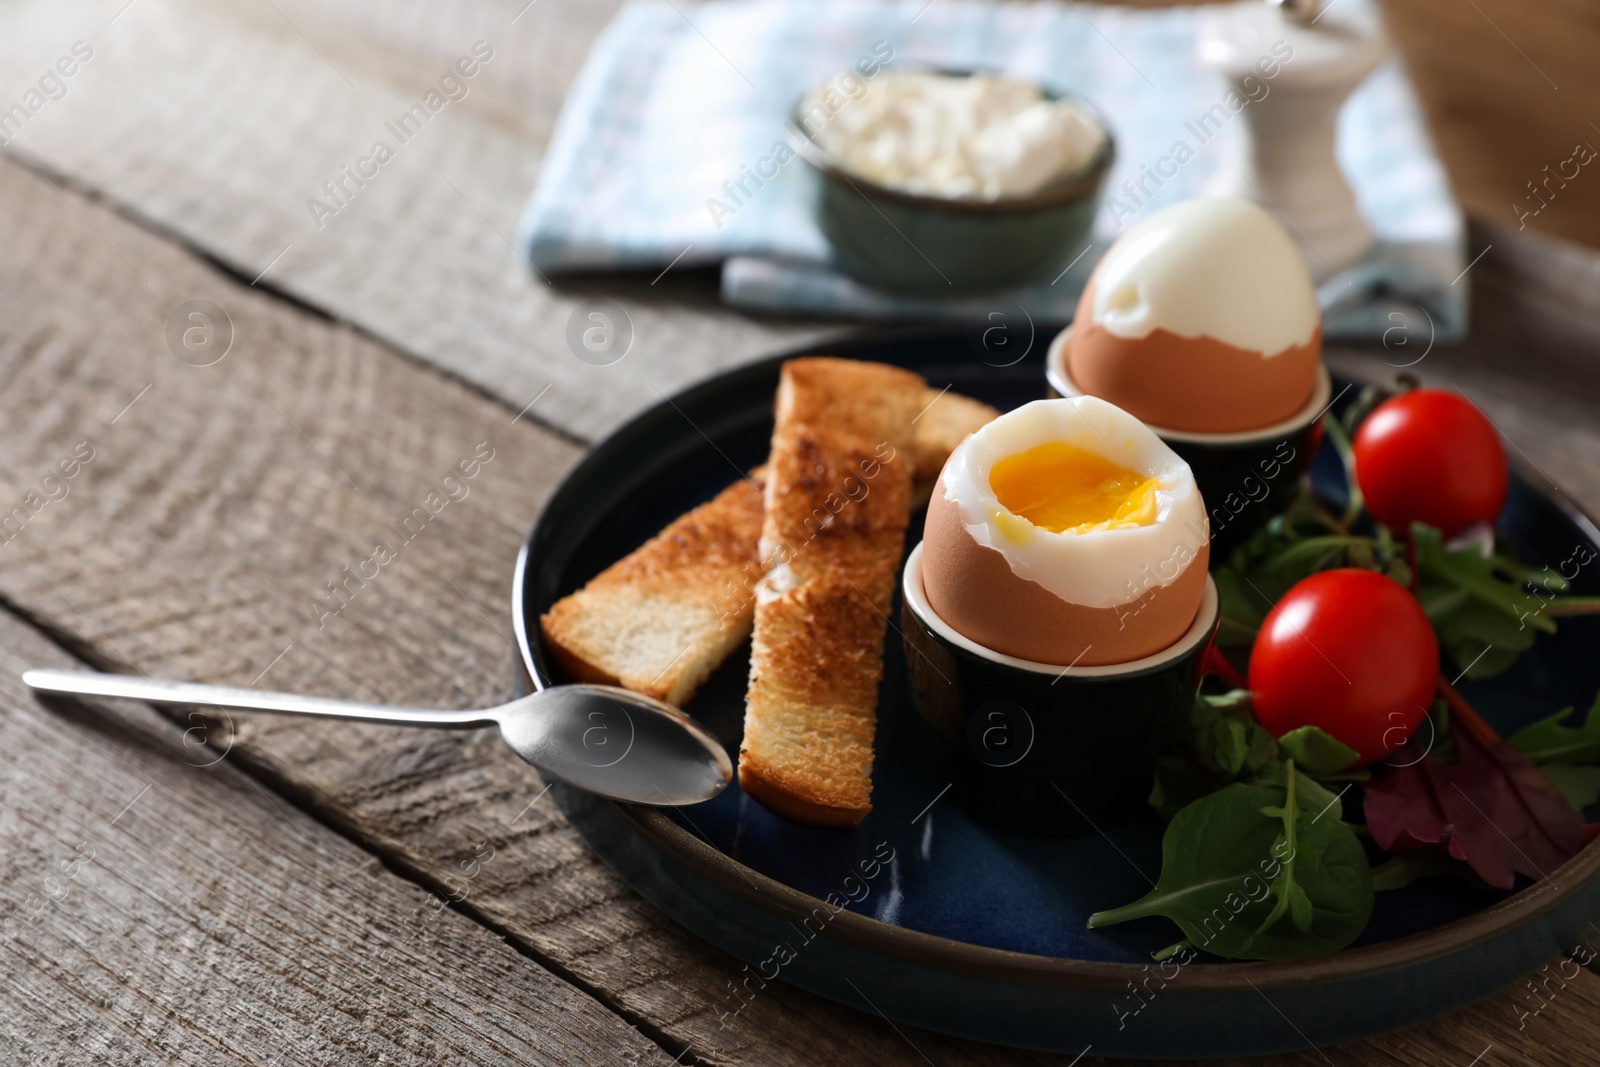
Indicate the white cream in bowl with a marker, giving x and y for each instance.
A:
(971, 137)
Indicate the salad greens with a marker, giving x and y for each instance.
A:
(1258, 860)
(1550, 741)
(1446, 807)
(1566, 753)
(1252, 871)
(1317, 751)
(1486, 606)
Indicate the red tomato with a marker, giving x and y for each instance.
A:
(1351, 652)
(1430, 456)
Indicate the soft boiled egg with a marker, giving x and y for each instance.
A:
(1066, 532)
(1202, 318)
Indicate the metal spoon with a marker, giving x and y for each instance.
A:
(605, 740)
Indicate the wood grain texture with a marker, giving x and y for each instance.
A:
(217, 122)
(215, 509)
(159, 907)
(221, 501)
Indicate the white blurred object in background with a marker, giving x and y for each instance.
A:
(1288, 165)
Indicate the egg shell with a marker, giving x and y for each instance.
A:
(973, 589)
(1193, 384)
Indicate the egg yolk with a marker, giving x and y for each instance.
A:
(1066, 489)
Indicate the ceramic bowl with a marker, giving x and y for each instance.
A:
(942, 246)
(1048, 749)
(1244, 478)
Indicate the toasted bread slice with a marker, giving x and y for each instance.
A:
(648, 623)
(943, 424)
(838, 496)
(661, 619)
(809, 718)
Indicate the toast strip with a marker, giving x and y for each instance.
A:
(660, 620)
(945, 421)
(838, 497)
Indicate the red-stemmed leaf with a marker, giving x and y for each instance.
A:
(1403, 813)
(1492, 808)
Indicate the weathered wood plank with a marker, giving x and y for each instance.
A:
(157, 906)
(437, 283)
(1552, 1021)
(197, 537)
(219, 121)
(215, 508)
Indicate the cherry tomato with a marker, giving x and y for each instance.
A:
(1430, 456)
(1351, 652)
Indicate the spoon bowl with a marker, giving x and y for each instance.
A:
(616, 743)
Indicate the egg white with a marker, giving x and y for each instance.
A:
(1100, 568)
(1218, 267)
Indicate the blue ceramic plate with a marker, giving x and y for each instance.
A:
(951, 926)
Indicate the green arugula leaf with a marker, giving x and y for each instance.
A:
(1548, 741)
(1339, 431)
(1491, 581)
(1245, 884)
(1227, 738)
(1469, 619)
(1291, 546)
(1580, 785)
(1308, 554)
(1543, 576)
(1319, 752)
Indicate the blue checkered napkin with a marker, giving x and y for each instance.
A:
(676, 103)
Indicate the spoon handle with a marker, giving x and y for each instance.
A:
(93, 683)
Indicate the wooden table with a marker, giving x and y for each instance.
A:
(193, 890)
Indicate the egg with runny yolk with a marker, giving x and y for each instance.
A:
(1066, 532)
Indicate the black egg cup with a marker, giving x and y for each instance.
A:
(1045, 750)
(1244, 478)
